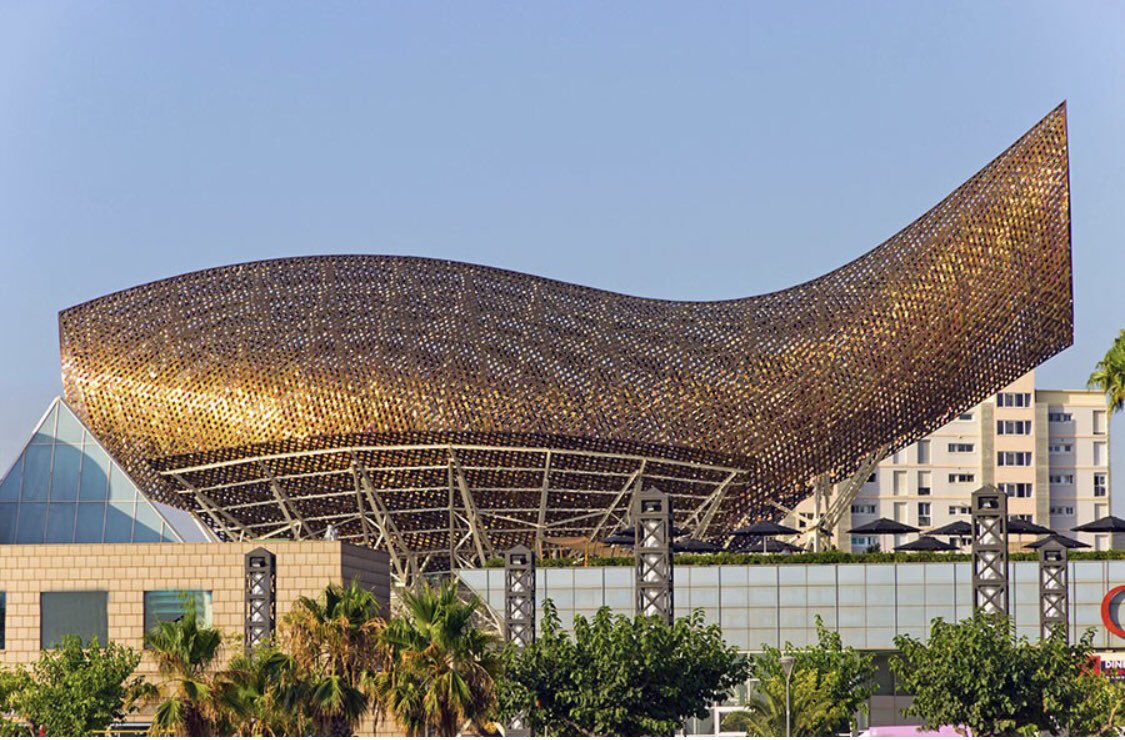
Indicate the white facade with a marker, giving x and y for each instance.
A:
(1048, 449)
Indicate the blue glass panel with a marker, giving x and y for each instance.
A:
(120, 489)
(8, 523)
(60, 523)
(36, 473)
(32, 521)
(69, 428)
(95, 474)
(147, 526)
(45, 434)
(119, 522)
(10, 488)
(91, 520)
(64, 473)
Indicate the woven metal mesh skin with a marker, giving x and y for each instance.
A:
(430, 374)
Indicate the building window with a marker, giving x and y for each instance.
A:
(924, 452)
(1016, 400)
(967, 416)
(1100, 484)
(3, 617)
(959, 510)
(1062, 479)
(960, 446)
(871, 478)
(863, 508)
(864, 542)
(962, 477)
(900, 483)
(1099, 422)
(924, 514)
(1100, 456)
(1060, 448)
(899, 457)
(1013, 426)
(169, 606)
(1013, 459)
(81, 613)
(1016, 490)
(924, 481)
(1062, 511)
(1059, 416)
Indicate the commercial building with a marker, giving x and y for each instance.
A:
(1047, 449)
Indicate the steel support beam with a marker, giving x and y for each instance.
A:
(260, 598)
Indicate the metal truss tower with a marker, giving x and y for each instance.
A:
(1054, 609)
(652, 517)
(519, 612)
(260, 597)
(990, 550)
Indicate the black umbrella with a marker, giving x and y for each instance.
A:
(765, 529)
(925, 544)
(619, 539)
(1105, 524)
(694, 546)
(631, 532)
(884, 526)
(1022, 526)
(766, 545)
(953, 529)
(1067, 542)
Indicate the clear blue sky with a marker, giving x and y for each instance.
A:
(693, 150)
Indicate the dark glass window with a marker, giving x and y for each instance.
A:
(82, 613)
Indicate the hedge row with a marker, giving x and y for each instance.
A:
(832, 556)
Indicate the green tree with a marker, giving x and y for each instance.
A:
(1100, 708)
(439, 668)
(194, 701)
(835, 681)
(335, 644)
(977, 675)
(74, 689)
(619, 676)
(1109, 374)
(270, 690)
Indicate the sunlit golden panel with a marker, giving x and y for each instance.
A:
(447, 410)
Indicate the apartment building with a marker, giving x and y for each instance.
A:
(1048, 449)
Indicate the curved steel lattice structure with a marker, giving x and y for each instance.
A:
(447, 410)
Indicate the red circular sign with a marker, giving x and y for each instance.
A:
(1107, 618)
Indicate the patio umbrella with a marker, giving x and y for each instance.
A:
(1022, 526)
(619, 539)
(925, 544)
(630, 532)
(958, 528)
(1105, 524)
(1067, 542)
(694, 546)
(884, 526)
(765, 529)
(766, 545)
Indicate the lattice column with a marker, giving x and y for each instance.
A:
(519, 612)
(260, 597)
(652, 552)
(1054, 612)
(990, 550)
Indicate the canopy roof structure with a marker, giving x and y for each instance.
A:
(445, 411)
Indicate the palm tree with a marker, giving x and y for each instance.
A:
(335, 644)
(439, 668)
(1109, 375)
(765, 711)
(269, 686)
(193, 702)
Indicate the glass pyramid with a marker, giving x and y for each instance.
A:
(65, 488)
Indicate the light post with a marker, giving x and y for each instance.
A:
(787, 662)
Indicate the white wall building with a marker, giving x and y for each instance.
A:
(1048, 449)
